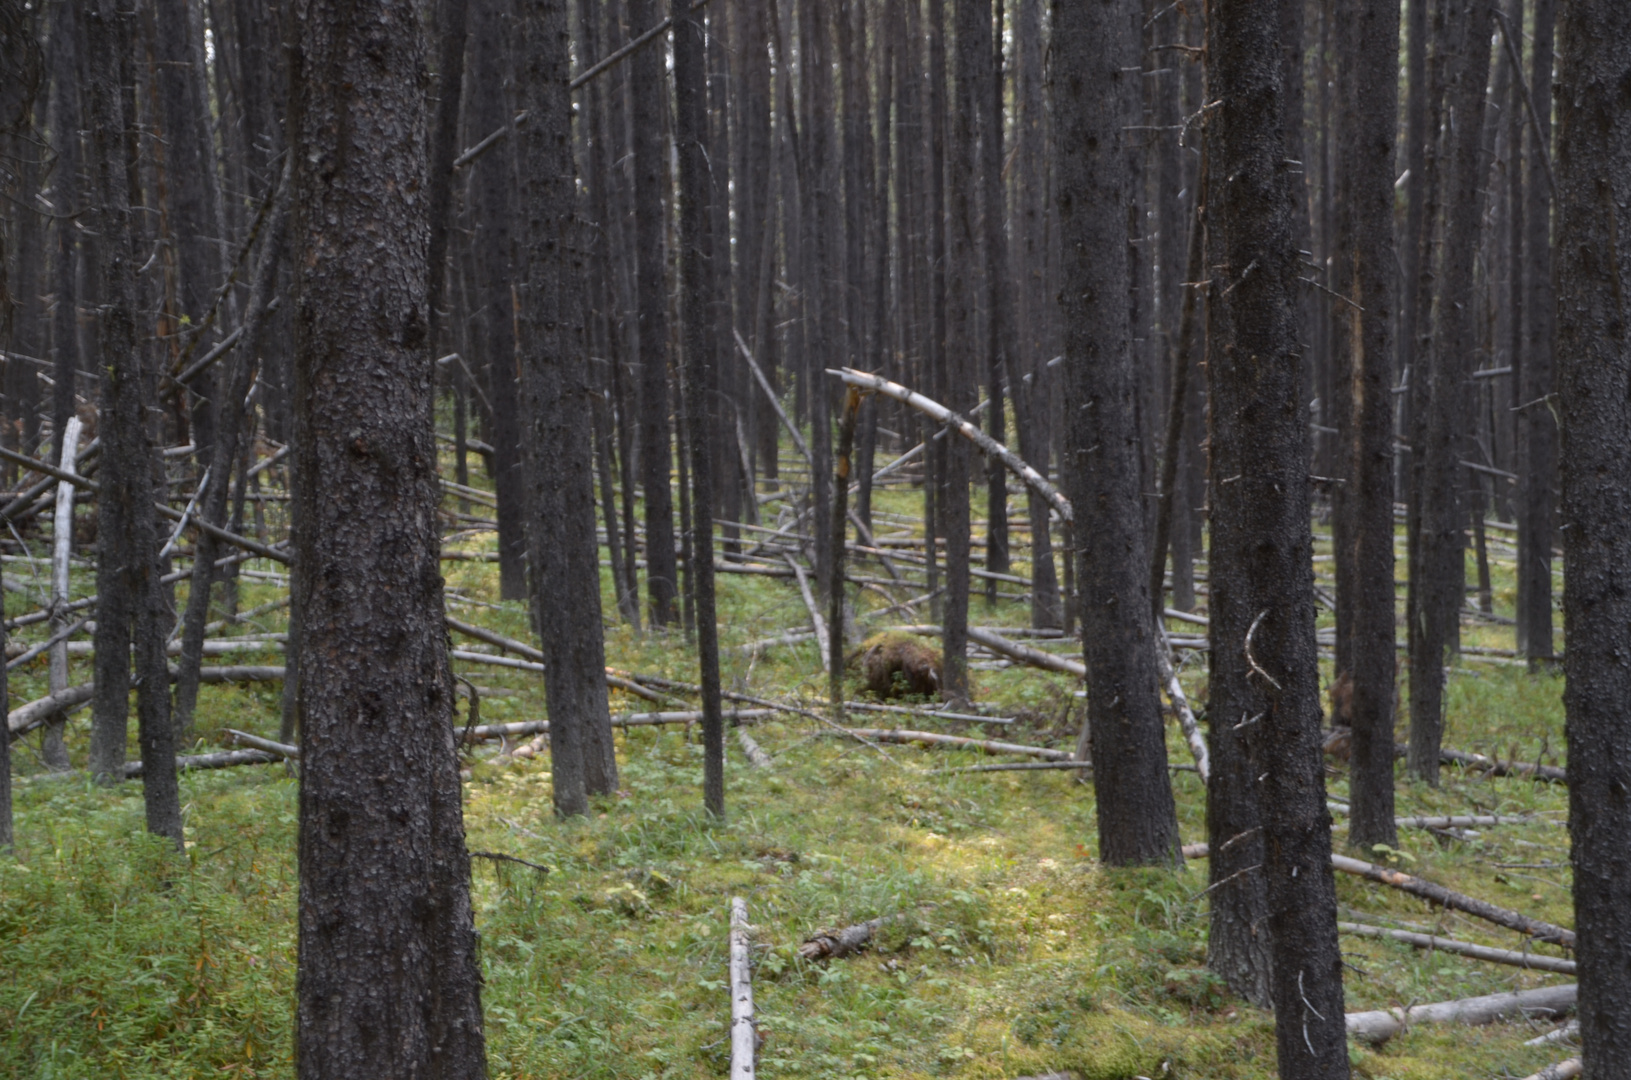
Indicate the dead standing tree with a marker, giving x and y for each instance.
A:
(1594, 385)
(1137, 819)
(1274, 903)
(388, 981)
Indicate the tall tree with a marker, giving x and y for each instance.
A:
(1438, 570)
(697, 323)
(1368, 86)
(1092, 47)
(646, 96)
(999, 310)
(1594, 395)
(1537, 425)
(388, 981)
(132, 603)
(1274, 921)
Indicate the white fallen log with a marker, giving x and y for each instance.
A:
(26, 718)
(1562, 1033)
(816, 621)
(755, 753)
(259, 743)
(1510, 957)
(1563, 1070)
(744, 1032)
(933, 738)
(1382, 1024)
(223, 760)
(1180, 705)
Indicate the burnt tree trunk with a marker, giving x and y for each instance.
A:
(1438, 572)
(998, 303)
(1093, 47)
(1537, 424)
(1594, 389)
(1264, 710)
(132, 601)
(697, 280)
(656, 456)
(1363, 523)
(388, 981)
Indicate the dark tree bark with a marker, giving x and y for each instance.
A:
(823, 241)
(451, 22)
(1368, 85)
(697, 325)
(492, 183)
(556, 395)
(1171, 526)
(388, 982)
(1264, 668)
(998, 304)
(224, 452)
(934, 488)
(1537, 425)
(1594, 391)
(650, 176)
(1438, 573)
(1272, 932)
(65, 192)
(1092, 48)
(132, 601)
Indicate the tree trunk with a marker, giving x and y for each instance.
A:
(998, 303)
(451, 33)
(1273, 934)
(65, 122)
(697, 326)
(1438, 573)
(127, 577)
(388, 980)
(1594, 387)
(1368, 86)
(1537, 423)
(1137, 820)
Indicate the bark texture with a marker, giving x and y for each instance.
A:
(388, 983)
(1594, 388)
(1137, 820)
(1267, 767)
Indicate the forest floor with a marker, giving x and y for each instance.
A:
(1016, 952)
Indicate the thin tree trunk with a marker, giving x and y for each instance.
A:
(1537, 424)
(1368, 107)
(999, 318)
(451, 25)
(1264, 668)
(1594, 391)
(1439, 571)
(388, 981)
(697, 322)
(1137, 818)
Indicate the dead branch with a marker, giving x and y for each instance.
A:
(499, 856)
(1438, 894)
(1382, 1024)
(1180, 705)
(1510, 957)
(271, 747)
(26, 718)
(837, 944)
(222, 760)
(1563, 1070)
(755, 753)
(770, 394)
(821, 631)
(989, 746)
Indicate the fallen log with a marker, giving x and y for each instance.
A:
(1510, 957)
(932, 738)
(270, 746)
(26, 718)
(754, 752)
(928, 714)
(744, 1032)
(654, 719)
(836, 944)
(223, 760)
(1479, 763)
(1180, 705)
(817, 623)
(1562, 1033)
(1382, 1024)
(1437, 894)
(994, 641)
(1563, 1070)
(499, 856)
(481, 633)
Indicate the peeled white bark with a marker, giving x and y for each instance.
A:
(1383, 1024)
(744, 1034)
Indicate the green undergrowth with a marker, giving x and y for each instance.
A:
(1013, 951)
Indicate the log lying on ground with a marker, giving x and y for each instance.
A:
(1382, 1024)
(744, 1032)
(836, 944)
(26, 718)
(1479, 763)
(225, 759)
(1180, 705)
(1017, 766)
(932, 738)
(994, 641)
(1563, 1070)
(1562, 1033)
(817, 623)
(1437, 894)
(754, 752)
(928, 714)
(1510, 957)
(259, 743)
(653, 719)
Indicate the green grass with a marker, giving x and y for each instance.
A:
(1017, 953)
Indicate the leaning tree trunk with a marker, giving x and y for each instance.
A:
(1594, 389)
(1137, 818)
(388, 981)
(1274, 903)
(127, 566)
(1363, 526)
